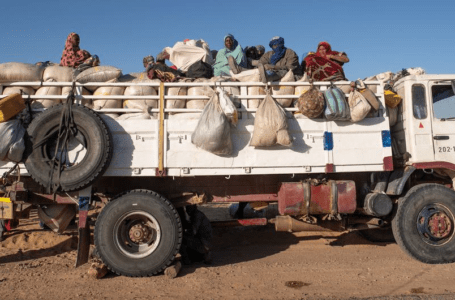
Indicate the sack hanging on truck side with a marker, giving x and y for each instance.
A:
(359, 106)
(270, 125)
(336, 106)
(213, 131)
(311, 103)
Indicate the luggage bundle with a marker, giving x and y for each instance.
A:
(311, 103)
(12, 132)
(336, 107)
(213, 131)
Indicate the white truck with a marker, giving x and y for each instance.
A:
(338, 175)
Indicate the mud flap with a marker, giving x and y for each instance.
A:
(83, 244)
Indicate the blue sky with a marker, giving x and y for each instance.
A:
(378, 36)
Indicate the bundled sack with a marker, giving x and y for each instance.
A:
(10, 106)
(23, 90)
(300, 89)
(15, 71)
(98, 74)
(140, 90)
(200, 69)
(270, 125)
(58, 73)
(251, 76)
(232, 91)
(368, 94)
(358, 105)
(391, 99)
(311, 103)
(336, 107)
(199, 91)
(108, 91)
(228, 106)
(213, 132)
(12, 143)
(284, 90)
(86, 102)
(47, 91)
(176, 91)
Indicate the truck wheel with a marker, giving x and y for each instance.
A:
(138, 234)
(424, 224)
(88, 154)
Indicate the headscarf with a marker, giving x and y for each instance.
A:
(320, 68)
(221, 66)
(72, 55)
(279, 50)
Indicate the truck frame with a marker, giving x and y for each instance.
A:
(337, 175)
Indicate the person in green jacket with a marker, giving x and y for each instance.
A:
(231, 51)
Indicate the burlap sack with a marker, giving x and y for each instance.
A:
(141, 90)
(358, 106)
(26, 90)
(270, 125)
(98, 74)
(199, 91)
(15, 71)
(47, 91)
(58, 73)
(299, 90)
(251, 76)
(108, 91)
(311, 103)
(134, 116)
(176, 91)
(285, 90)
(86, 102)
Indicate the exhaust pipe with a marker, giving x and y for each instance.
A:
(286, 223)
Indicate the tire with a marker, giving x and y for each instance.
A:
(83, 163)
(413, 229)
(138, 234)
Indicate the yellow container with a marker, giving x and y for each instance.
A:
(392, 100)
(10, 106)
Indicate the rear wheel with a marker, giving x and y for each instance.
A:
(138, 234)
(424, 224)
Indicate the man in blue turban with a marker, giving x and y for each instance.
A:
(274, 64)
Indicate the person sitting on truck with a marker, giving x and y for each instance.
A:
(325, 64)
(148, 60)
(72, 55)
(162, 71)
(230, 58)
(273, 65)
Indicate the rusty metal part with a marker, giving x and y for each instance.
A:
(184, 199)
(240, 222)
(439, 225)
(247, 198)
(139, 233)
(332, 197)
(287, 223)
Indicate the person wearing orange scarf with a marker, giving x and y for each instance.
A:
(325, 64)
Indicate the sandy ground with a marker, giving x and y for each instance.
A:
(249, 263)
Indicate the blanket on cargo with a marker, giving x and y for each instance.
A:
(320, 68)
(184, 54)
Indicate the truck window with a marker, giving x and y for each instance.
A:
(443, 101)
(419, 105)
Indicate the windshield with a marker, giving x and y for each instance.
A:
(443, 101)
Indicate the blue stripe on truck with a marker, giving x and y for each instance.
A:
(386, 138)
(328, 141)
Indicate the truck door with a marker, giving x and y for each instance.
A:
(443, 121)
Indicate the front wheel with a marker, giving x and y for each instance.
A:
(138, 234)
(424, 224)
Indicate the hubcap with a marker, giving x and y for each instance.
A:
(137, 234)
(435, 224)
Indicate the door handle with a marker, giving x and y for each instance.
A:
(441, 137)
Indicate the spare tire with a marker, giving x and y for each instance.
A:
(87, 157)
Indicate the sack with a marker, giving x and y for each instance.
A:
(251, 76)
(98, 74)
(391, 99)
(107, 91)
(230, 90)
(86, 102)
(10, 106)
(23, 90)
(200, 69)
(336, 106)
(300, 89)
(393, 115)
(140, 90)
(270, 125)
(198, 91)
(368, 94)
(58, 73)
(15, 71)
(47, 91)
(311, 103)
(359, 106)
(227, 106)
(12, 143)
(213, 132)
(285, 90)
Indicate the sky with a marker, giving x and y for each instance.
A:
(377, 36)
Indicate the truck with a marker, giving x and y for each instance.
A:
(386, 182)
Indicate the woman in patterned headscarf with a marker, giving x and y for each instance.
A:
(325, 64)
(72, 55)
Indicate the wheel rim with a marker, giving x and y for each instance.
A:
(435, 224)
(137, 234)
(72, 155)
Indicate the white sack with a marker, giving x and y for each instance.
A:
(285, 90)
(12, 144)
(183, 55)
